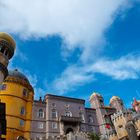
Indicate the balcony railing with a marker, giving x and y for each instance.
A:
(70, 119)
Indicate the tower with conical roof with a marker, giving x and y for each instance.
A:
(17, 93)
(97, 102)
(7, 48)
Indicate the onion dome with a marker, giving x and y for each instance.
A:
(18, 77)
(8, 38)
(114, 98)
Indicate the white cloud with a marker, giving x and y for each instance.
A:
(71, 77)
(126, 67)
(79, 22)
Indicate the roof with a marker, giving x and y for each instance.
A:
(65, 98)
(108, 107)
(95, 94)
(8, 38)
(114, 98)
(16, 74)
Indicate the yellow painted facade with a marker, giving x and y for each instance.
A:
(18, 96)
(113, 137)
(120, 123)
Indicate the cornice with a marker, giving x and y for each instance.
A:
(19, 81)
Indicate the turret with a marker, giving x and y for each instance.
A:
(96, 100)
(117, 103)
(7, 48)
(18, 94)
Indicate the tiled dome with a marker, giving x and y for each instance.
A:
(15, 73)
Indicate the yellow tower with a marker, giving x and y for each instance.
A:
(18, 94)
(7, 48)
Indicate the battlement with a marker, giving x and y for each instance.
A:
(120, 114)
(112, 133)
(136, 116)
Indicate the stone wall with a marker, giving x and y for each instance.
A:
(78, 136)
(71, 136)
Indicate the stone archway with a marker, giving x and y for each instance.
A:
(69, 130)
(132, 134)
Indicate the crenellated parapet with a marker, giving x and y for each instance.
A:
(113, 135)
(120, 120)
(127, 114)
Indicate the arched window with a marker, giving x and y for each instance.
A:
(2, 86)
(25, 92)
(81, 115)
(68, 114)
(40, 113)
(54, 113)
(2, 49)
(22, 111)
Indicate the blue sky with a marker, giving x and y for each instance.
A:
(74, 48)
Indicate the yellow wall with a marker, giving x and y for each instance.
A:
(14, 99)
(113, 137)
(120, 123)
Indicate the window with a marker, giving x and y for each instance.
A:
(40, 113)
(54, 125)
(6, 52)
(81, 115)
(40, 125)
(22, 122)
(120, 126)
(2, 49)
(25, 92)
(2, 86)
(22, 111)
(68, 114)
(54, 113)
(90, 119)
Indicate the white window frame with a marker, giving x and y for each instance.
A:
(40, 125)
(41, 113)
(68, 114)
(54, 112)
(54, 125)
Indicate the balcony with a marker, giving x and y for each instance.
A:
(70, 119)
